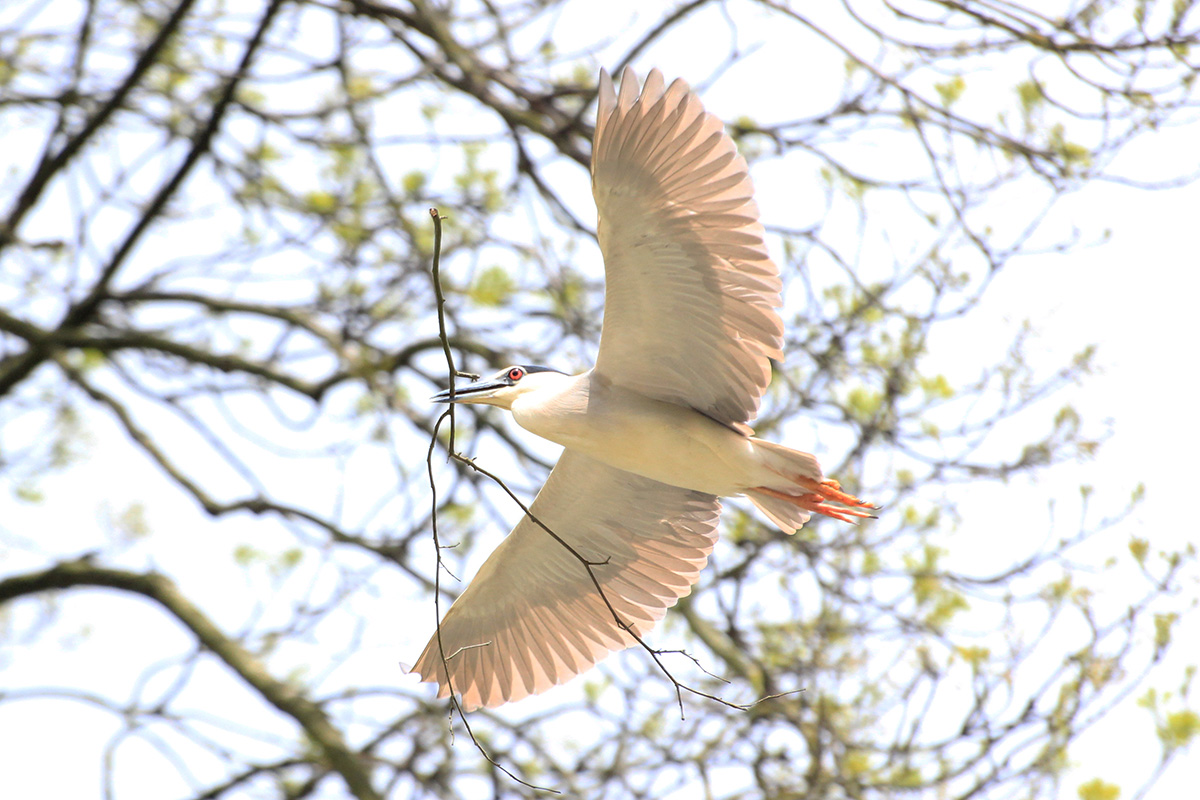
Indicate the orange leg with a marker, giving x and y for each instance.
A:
(832, 490)
(815, 501)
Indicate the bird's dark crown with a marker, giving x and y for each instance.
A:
(532, 368)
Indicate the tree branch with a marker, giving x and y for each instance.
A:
(154, 586)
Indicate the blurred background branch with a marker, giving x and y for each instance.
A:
(218, 331)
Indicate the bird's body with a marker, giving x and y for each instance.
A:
(625, 429)
(656, 432)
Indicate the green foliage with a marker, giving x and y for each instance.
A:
(431, 111)
(1176, 728)
(951, 90)
(244, 555)
(414, 183)
(1029, 93)
(87, 359)
(936, 387)
(359, 87)
(1073, 157)
(1179, 729)
(939, 601)
(479, 186)
(29, 493)
(1162, 629)
(278, 565)
(1139, 548)
(131, 522)
(905, 776)
(974, 655)
(1097, 789)
(863, 404)
(320, 202)
(492, 287)
(268, 344)
(458, 514)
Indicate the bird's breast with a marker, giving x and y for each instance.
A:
(655, 439)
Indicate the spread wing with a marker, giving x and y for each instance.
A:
(532, 618)
(690, 298)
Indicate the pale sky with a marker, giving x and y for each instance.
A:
(1131, 296)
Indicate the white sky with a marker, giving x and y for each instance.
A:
(1133, 296)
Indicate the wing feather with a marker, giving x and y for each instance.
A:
(532, 618)
(691, 292)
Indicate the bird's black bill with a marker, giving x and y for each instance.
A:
(465, 392)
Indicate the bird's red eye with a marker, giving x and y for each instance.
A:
(516, 373)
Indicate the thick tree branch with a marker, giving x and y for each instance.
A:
(310, 716)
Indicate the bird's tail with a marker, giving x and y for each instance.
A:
(803, 490)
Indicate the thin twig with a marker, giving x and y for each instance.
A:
(588, 565)
(680, 687)
(441, 317)
(437, 545)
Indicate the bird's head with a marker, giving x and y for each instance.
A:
(505, 386)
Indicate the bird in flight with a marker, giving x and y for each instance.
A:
(656, 433)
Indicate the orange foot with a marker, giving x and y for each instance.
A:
(820, 493)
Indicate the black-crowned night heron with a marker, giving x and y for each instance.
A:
(656, 432)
